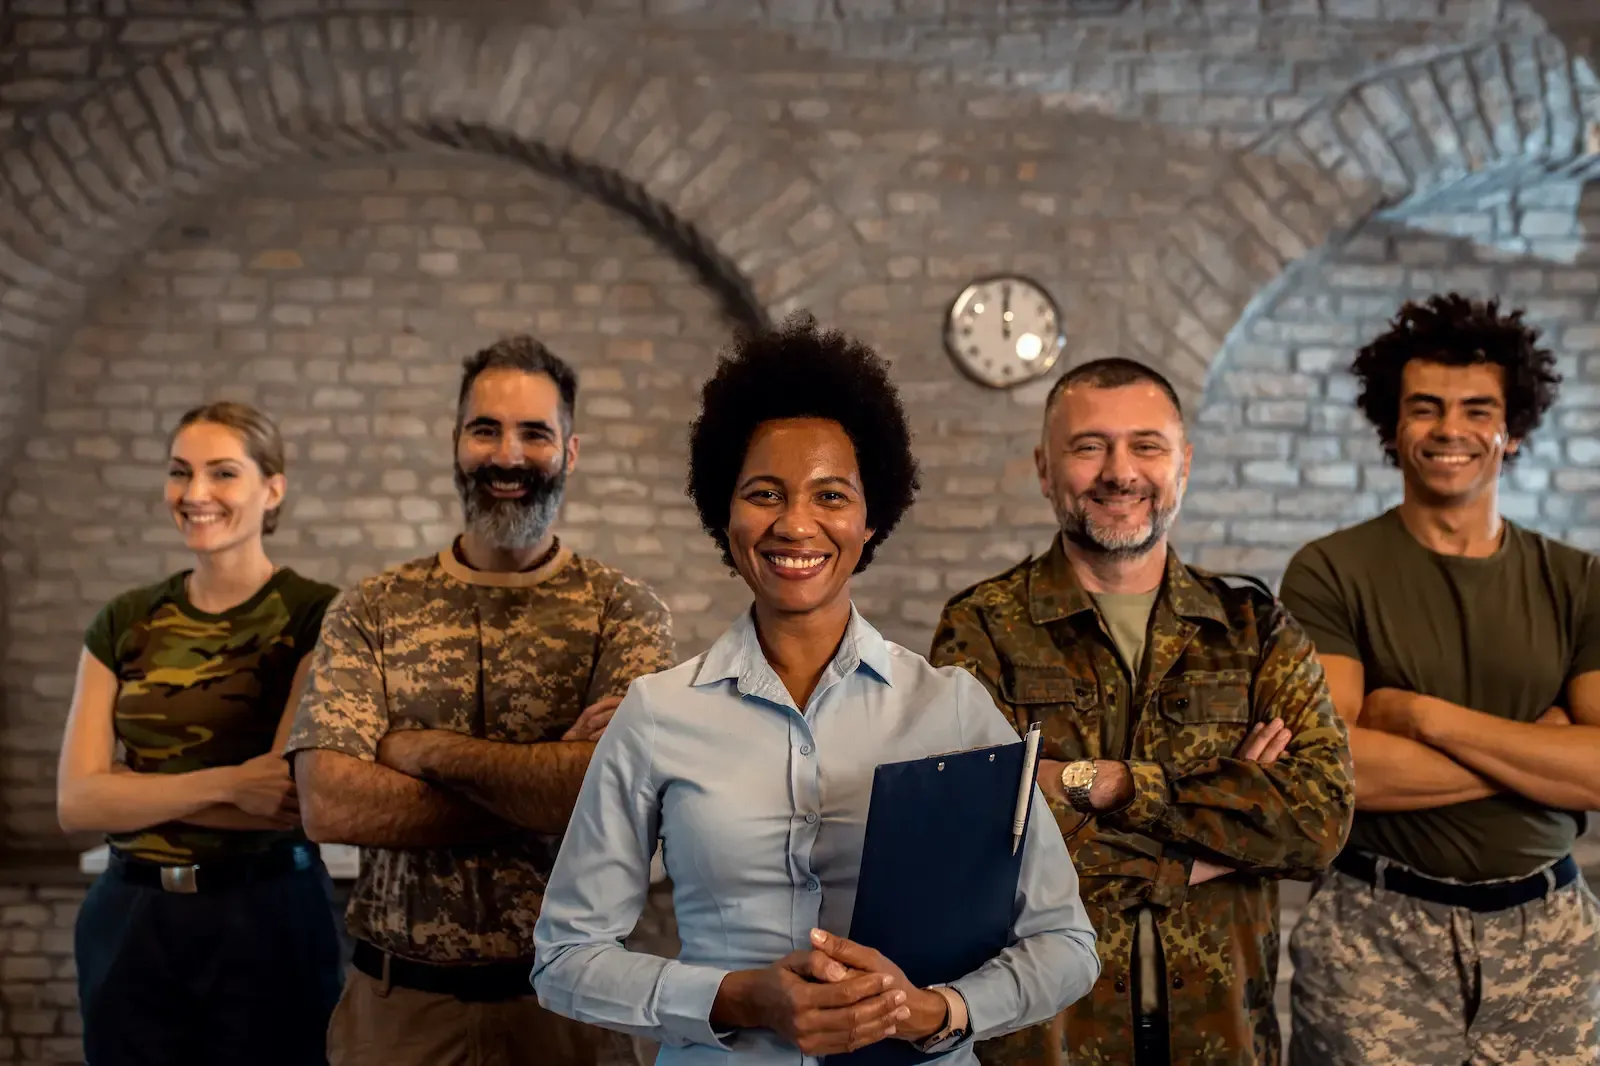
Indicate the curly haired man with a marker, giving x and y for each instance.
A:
(1463, 650)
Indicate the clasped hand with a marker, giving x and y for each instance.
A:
(833, 997)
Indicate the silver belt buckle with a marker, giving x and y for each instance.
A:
(179, 879)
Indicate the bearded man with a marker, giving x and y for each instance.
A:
(451, 709)
(1190, 751)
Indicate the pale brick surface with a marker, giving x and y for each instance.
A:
(38, 995)
(1160, 167)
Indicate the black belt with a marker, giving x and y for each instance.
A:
(482, 982)
(1498, 896)
(217, 874)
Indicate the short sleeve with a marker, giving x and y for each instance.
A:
(100, 639)
(107, 632)
(344, 707)
(1586, 646)
(308, 616)
(1311, 592)
(635, 640)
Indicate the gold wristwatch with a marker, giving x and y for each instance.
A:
(1077, 778)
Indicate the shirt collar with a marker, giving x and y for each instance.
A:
(1054, 592)
(737, 654)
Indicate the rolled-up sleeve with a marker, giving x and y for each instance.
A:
(1051, 961)
(596, 894)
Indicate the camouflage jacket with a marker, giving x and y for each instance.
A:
(1218, 660)
(502, 656)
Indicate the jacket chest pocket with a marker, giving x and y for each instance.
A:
(1206, 714)
(1066, 707)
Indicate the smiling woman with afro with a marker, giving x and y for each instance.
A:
(753, 763)
(800, 372)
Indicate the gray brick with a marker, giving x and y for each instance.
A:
(1229, 503)
(1270, 472)
(1292, 414)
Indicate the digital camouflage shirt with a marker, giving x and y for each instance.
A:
(501, 656)
(1219, 659)
(197, 690)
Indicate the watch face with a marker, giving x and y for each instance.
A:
(1078, 775)
(1004, 331)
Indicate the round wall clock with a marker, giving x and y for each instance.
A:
(1004, 331)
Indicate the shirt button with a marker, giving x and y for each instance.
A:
(811, 817)
(811, 886)
(805, 749)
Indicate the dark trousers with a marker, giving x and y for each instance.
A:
(244, 976)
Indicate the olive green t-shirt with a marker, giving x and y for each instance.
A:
(1503, 634)
(198, 690)
(1127, 617)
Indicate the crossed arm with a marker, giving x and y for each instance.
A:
(1285, 812)
(96, 792)
(1415, 752)
(348, 800)
(534, 786)
(434, 788)
(365, 782)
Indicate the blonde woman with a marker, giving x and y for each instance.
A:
(211, 935)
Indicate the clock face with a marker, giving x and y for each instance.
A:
(1004, 331)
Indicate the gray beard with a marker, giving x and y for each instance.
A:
(1077, 527)
(510, 525)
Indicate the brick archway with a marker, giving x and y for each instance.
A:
(1514, 110)
(86, 183)
(90, 179)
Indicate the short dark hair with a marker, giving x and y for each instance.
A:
(524, 353)
(1112, 373)
(796, 370)
(1455, 331)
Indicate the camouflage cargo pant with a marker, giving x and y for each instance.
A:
(1383, 979)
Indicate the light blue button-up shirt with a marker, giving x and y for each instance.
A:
(761, 809)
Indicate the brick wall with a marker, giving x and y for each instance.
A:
(38, 994)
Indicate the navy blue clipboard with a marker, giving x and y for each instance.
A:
(938, 886)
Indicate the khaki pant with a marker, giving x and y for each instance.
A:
(404, 1027)
(1382, 979)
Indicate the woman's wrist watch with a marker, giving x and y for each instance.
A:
(1077, 779)
(954, 1029)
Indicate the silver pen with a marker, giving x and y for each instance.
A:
(1030, 761)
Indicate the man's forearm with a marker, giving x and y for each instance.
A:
(345, 800)
(1287, 820)
(1552, 766)
(1396, 773)
(533, 785)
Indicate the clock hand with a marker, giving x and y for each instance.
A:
(1005, 312)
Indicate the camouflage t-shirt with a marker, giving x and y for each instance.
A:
(198, 690)
(512, 657)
